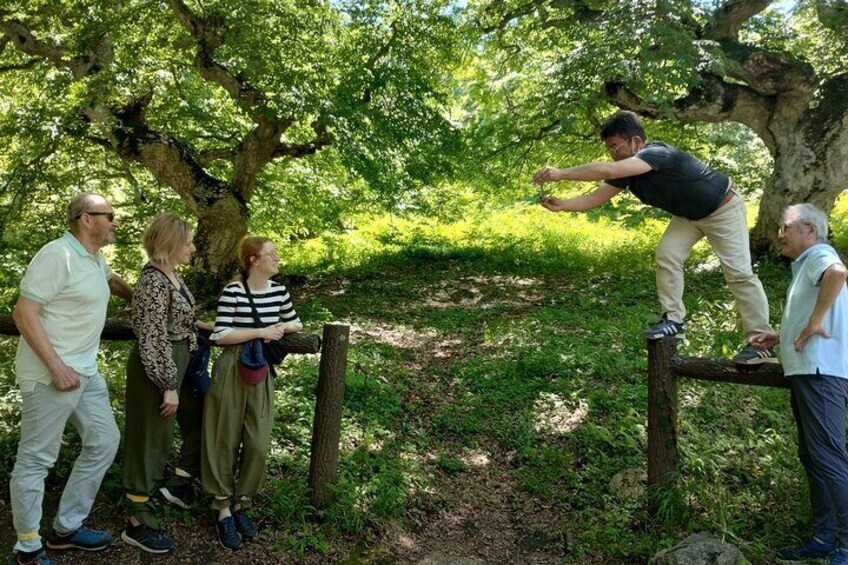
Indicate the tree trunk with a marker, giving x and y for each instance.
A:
(220, 228)
(810, 163)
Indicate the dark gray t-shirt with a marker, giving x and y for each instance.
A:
(678, 183)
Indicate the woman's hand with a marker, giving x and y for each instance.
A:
(273, 333)
(170, 402)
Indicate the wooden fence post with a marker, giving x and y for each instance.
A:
(327, 426)
(662, 416)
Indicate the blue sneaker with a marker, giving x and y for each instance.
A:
(245, 525)
(227, 534)
(148, 539)
(839, 558)
(84, 538)
(810, 549)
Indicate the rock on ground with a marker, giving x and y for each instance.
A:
(700, 549)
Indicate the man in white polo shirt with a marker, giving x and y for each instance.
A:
(814, 334)
(60, 314)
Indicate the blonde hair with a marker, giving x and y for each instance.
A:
(250, 247)
(165, 234)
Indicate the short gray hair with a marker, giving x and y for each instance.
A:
(810, 215)
(80, 203)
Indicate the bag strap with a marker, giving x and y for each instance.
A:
(256, 319)
(253, 309)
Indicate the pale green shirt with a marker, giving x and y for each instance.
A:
(820, 355)
(72, 287)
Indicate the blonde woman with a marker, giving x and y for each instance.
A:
(164, 321)
(238, 415)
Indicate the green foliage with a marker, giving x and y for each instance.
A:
(377, 74)
(510, 347)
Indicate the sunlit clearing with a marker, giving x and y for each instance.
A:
(402, 337)
(558, 415)
(455, 293)
(475, 458)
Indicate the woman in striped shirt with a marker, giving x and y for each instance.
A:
(238, 417)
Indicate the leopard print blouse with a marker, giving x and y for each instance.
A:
(161, 313)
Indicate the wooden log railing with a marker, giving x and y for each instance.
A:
(326, 429)
(664, 369)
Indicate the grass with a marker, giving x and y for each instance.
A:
(513, 341)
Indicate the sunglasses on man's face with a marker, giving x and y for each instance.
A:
(109, 215)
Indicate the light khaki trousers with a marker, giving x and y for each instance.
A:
(727, 231)
(237, 423)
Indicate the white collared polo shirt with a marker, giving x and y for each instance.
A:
(823, 355)
(72, 287)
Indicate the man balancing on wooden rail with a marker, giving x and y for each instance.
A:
(702, 202)
(814, 353)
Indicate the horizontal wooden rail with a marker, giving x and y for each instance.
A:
(767, 374)
(118, 329)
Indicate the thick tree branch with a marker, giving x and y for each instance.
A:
(99, 55)
(167, 159)
(260, 145)
(298, 150)
(730, 16)
(321, 140)
(26, 42)
(207, 32)
(713, 101)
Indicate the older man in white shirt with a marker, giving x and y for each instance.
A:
(814, 353)
(60, 314)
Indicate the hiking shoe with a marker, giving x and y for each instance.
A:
(664, 328)
(84, 538)
(810, 549)
(839, 558)
(753, 356)
(179, 495)
(38, 557)
(227, 534)
(148, 539)
(145, 513)
(245, 525)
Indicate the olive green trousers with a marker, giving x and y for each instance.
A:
(147, 435)
(237, 423)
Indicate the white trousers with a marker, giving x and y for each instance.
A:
(44, 413)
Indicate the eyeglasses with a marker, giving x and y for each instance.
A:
(614, 149)
(109, 215)
(271, 255)
(785, 227)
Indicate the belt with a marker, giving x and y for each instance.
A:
(728, 196)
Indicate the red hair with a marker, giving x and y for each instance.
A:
(250, 247)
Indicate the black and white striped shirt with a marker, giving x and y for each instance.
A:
(272, 303)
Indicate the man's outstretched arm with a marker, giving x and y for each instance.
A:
(589, 201)
(600, 170)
